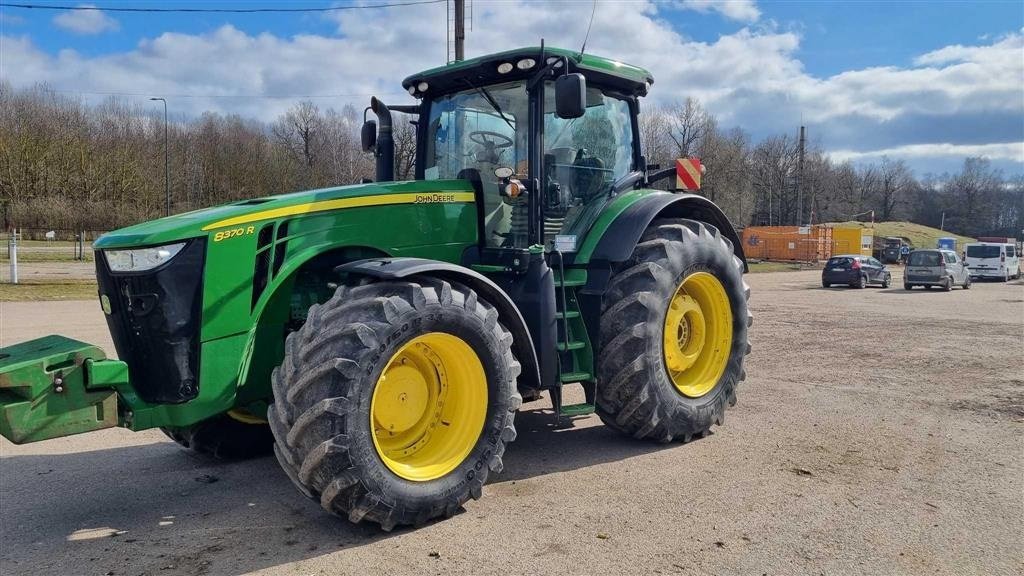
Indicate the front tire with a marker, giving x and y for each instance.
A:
(673, 334)
(887, 282)
(395, 401)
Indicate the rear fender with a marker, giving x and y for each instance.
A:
(399, 268)
(617, 242)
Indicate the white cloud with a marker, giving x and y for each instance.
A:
(752, 78)
(86, 22)
(741, 10)
(1011, 151)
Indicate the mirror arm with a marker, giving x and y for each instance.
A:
(405, 108)
(544, 71)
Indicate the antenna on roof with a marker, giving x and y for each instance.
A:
(587, 37)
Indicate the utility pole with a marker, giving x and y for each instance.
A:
(167, 164)
(800, 180)
(460, 30)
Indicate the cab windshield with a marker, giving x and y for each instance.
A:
(475, 131)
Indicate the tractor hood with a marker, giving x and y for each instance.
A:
(247, 212)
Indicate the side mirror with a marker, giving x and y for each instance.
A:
(368, 135)
(570, 96)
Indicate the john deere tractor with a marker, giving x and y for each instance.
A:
(381, 337)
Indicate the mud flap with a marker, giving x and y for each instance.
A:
(55, 386)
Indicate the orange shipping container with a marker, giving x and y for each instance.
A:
(793, 243)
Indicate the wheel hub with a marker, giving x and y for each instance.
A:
(428, 406)
(698, 334)
(403, 399)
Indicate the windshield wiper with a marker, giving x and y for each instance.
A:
(490, 100)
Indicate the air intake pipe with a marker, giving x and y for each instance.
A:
(384, 149)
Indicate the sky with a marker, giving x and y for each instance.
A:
(930, 82)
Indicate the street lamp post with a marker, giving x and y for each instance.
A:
(167, 164)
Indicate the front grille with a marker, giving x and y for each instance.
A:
(154, 320)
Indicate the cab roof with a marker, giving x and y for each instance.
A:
(484, 70)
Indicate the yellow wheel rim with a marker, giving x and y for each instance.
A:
(428, 407)
(698, 334)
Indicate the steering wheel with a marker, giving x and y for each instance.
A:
(479, 137)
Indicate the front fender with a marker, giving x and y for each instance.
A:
(508, 313)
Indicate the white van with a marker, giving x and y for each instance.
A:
(993, 260)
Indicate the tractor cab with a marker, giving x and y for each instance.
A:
(543, 135)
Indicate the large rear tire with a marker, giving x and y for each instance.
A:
(226, 436)
(395, 401)
(673, 334)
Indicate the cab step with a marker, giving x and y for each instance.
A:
(574, 345)
(588, 406)
(577, 409)
(569, 314)
(571, 377)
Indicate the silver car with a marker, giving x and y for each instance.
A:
(936, 268)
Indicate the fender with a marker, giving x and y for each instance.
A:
(622, 235)
(617, 242)
(398, 268)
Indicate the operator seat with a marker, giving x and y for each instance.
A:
(589, 180)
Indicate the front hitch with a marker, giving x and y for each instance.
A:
(55, 386)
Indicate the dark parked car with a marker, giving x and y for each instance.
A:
(855, 270)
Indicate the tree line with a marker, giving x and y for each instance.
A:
(68, 165)
(767, 183)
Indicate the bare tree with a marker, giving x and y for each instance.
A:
(405, 150)
(688, 127)
(895, 183)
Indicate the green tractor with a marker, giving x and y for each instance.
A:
(381, 337)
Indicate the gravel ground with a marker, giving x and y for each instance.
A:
(880, 432)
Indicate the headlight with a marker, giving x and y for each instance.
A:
(141, 259)
(526, 63)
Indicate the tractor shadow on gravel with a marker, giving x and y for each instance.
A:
(159, 509)
(545, 446)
